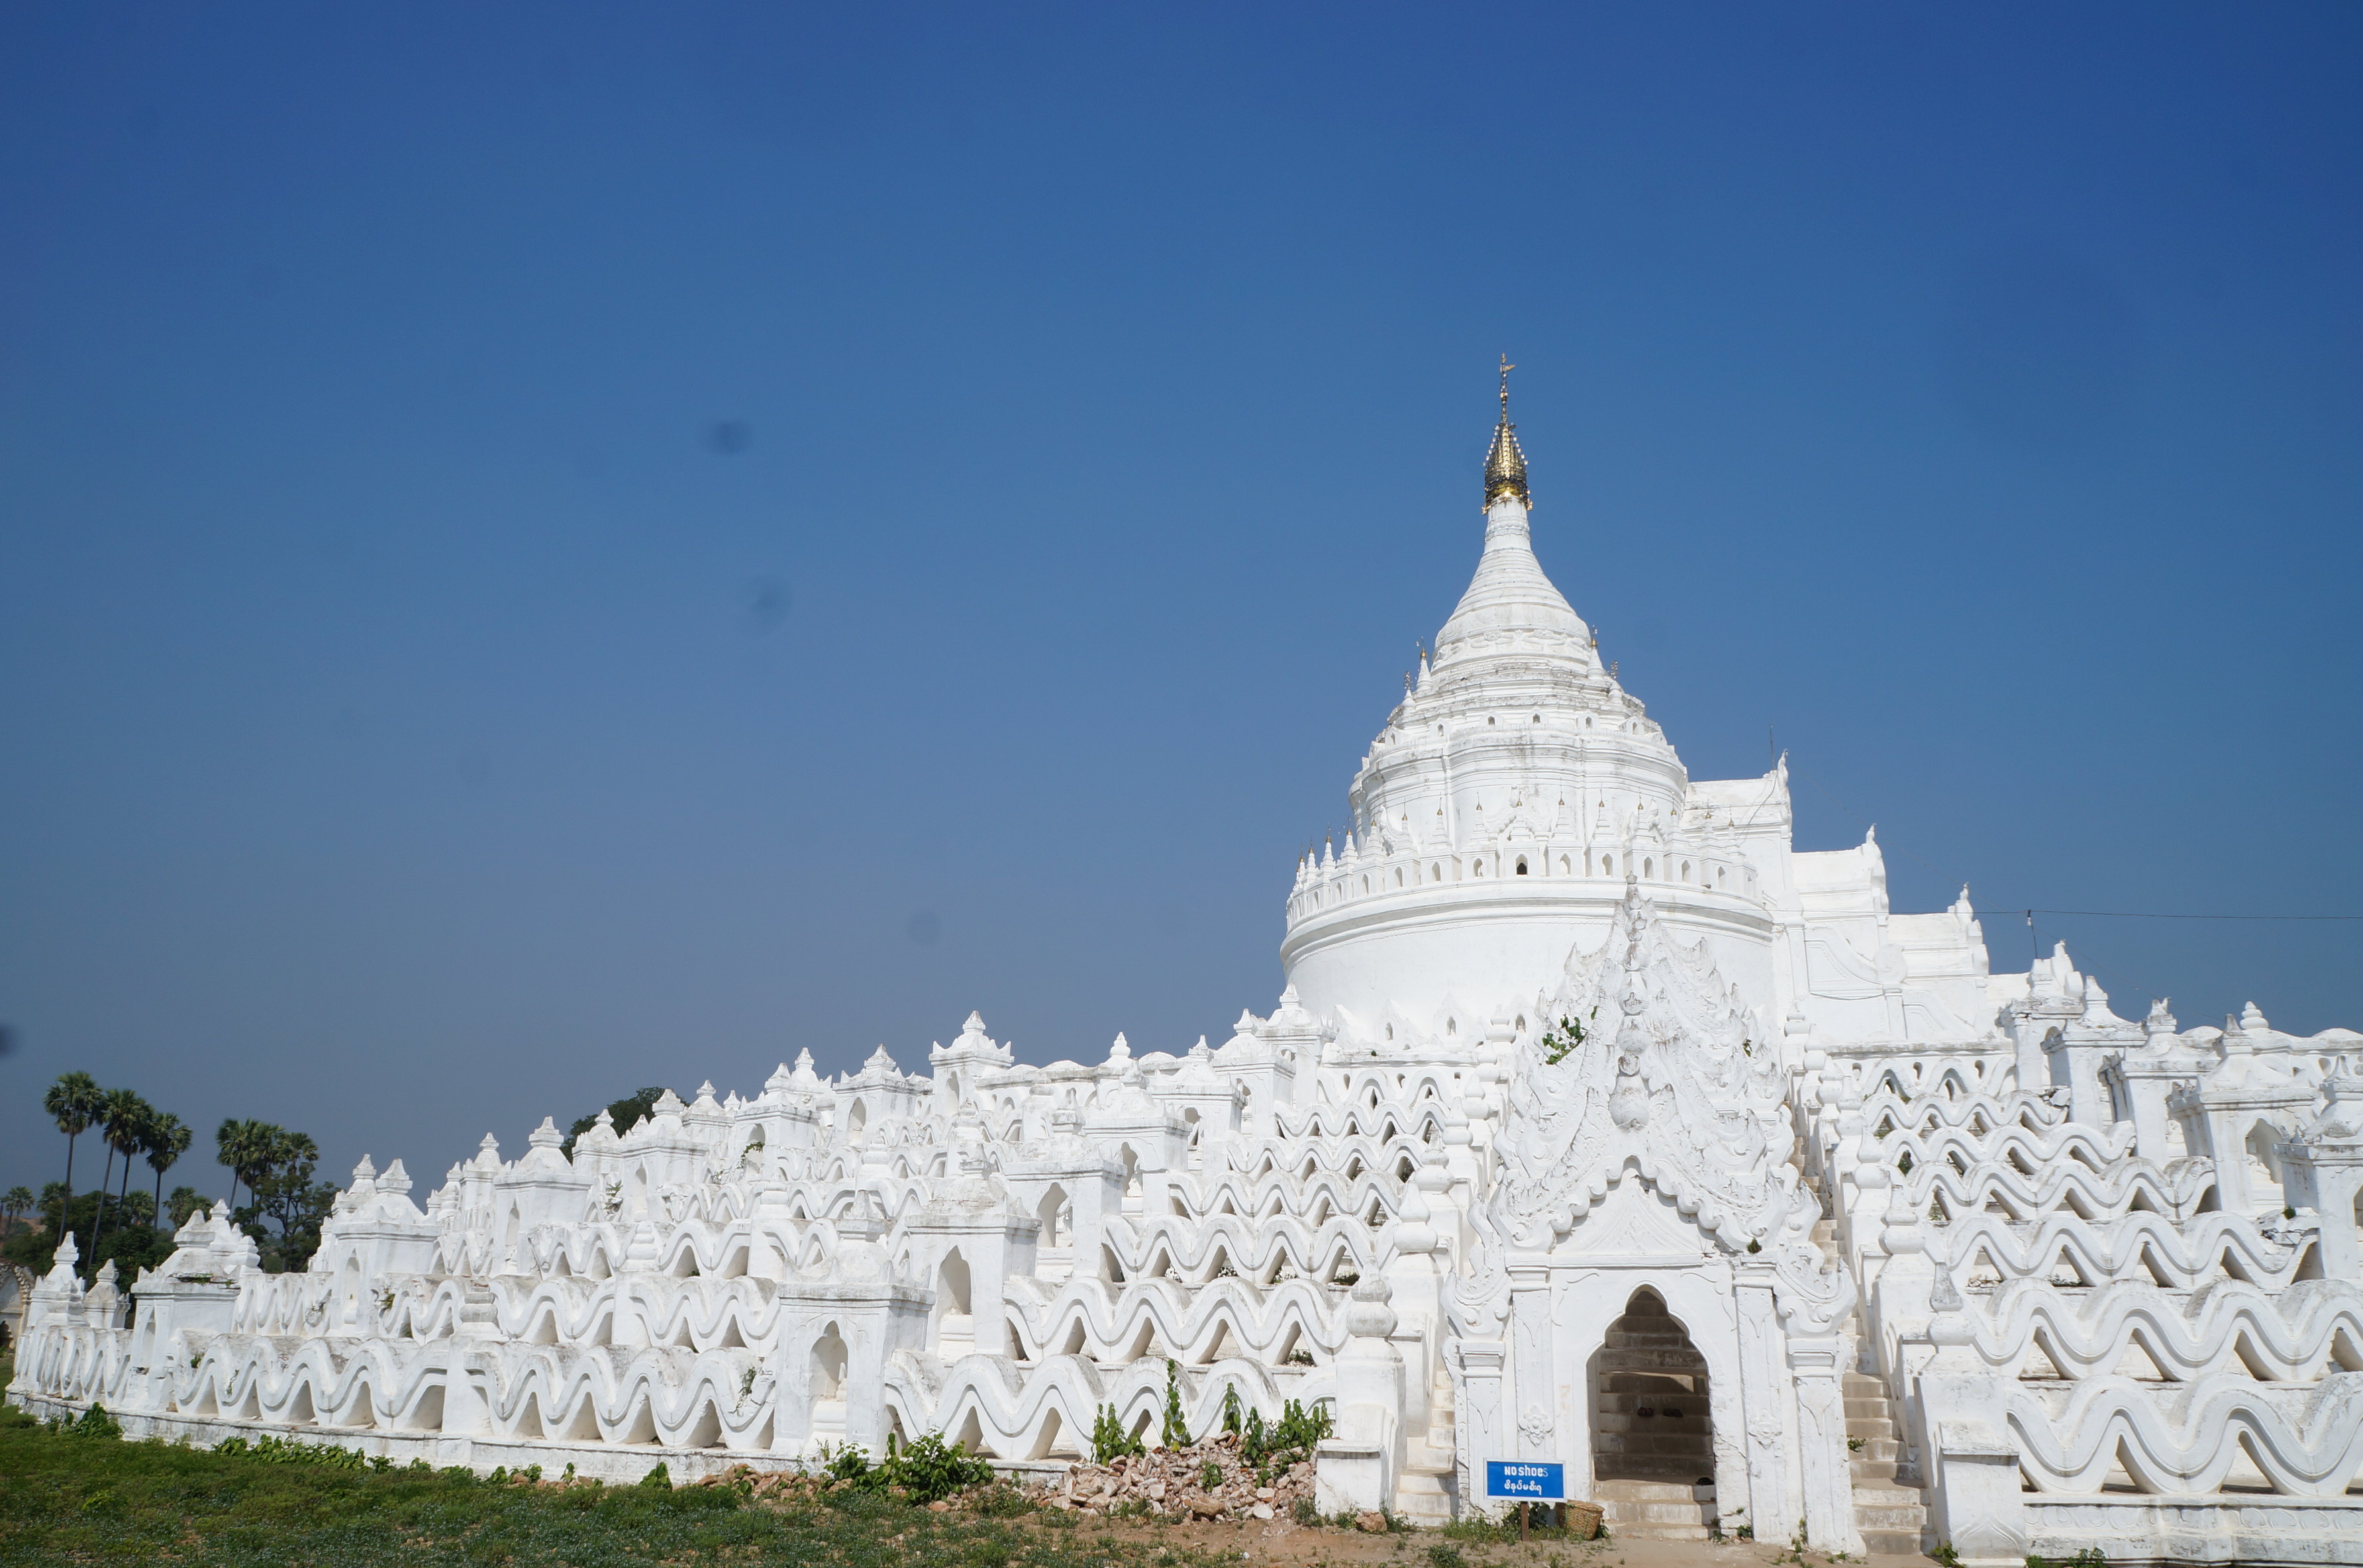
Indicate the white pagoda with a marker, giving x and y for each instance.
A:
(1598, 1127)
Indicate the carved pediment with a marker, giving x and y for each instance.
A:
(1666, 1078)
(1635, 1220)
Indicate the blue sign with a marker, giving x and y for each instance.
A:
(1525, 1481)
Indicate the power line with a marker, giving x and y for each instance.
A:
(2152, 915)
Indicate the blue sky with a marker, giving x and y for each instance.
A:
(549, 549)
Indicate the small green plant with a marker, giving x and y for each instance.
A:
(1306, 1514)
(1854, 1445)
(1210, 1476)
(1444, 1557)
(1560, 1042)
(1943, 1552)
(1110, 1441)
(97, 1423)
(657, 1480)
(1231, 1417)
(1175, 1431)
(287, 1450)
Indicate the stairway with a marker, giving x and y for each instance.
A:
(1888, 1506)
(1652, 1446)
(1425, 1492)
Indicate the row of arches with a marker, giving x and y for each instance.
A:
(1707, 875)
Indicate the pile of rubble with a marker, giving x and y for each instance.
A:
(1174, 1482)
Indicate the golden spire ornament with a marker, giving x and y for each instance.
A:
(1505, 465)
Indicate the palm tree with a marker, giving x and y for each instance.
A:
(16, 1201)
(244, 1147)
(168, 1139)
(125, 1123)
(185, 1202)
(74, 1100)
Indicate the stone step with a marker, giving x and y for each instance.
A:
(1650, 1426)
(1627, 1490)
(1655, 1510)
(1622, 1397)
(1657, 1470)
(1892, 1510)
(1890, 1543)
(1667, 1358)
(1698, 1458)
(1424, 1493)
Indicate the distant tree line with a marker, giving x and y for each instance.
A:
(283, 1212)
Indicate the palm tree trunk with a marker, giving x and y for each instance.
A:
(65, 1204)
(98, 1226)
(157, 1219)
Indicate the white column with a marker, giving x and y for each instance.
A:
(1763, 1509)
(1818, 1364)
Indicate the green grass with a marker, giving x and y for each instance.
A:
(66, 1498)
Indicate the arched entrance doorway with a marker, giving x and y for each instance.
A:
(1652, 1438)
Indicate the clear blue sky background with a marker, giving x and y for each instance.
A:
(548, 551)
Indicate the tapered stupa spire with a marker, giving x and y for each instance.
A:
(1505, 465)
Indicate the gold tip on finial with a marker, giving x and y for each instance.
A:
(1505, 465)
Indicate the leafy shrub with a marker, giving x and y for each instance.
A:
(1110, 1441)
(657, 1480)
(287, 1450)
(927, 1470)
(930, 1469)
(96, 1423)
(1210, 1476)
(1289, 1440)
(1175, 1434)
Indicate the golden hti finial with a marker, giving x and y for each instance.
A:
(1505, 465)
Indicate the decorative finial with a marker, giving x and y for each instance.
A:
(1505, 465)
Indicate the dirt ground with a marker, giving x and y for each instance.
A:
(1289, 1545)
